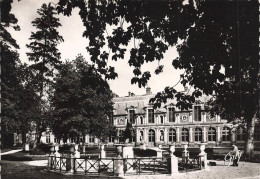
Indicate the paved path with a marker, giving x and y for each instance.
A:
(11, 152)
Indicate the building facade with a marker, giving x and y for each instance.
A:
(167, 125)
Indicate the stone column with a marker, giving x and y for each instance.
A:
(174, 161)
(157, 135)
(145, 136)
(204, 132)
(190, 135)
(165, 135)
(178, 134)
(218, 135)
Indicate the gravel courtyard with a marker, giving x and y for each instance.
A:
(245, 170)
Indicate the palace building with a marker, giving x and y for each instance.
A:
(168, 124)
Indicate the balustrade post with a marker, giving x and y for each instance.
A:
(159, 151)
(174, 161)
(118, 163)
(77, 153)
(51, 158)
(102, 152)
(70, 160)
(203, 156)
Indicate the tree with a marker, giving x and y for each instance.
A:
(9, 81)
(218, 52)
(82, 102)
(46, 58)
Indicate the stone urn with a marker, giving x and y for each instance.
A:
(172, 149)
(52, 149)
(119, 151)
(72, 149)
(202, 148)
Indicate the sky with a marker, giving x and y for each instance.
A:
(74, 44)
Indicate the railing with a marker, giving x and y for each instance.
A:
(186, 163)
(145, 166)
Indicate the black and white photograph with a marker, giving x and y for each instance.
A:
(130, 89)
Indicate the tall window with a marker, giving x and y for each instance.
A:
(111, 139)
(226, 134)
(150, 116)
(133, 138)
(212, 134)
(151, 135)
(91, 139)
(48, 138)
(198, 135)
(197, 114)
(141, 120)
(172, 135)
(132, 116)
(56, 140)
(171, 115)
(161, 118)
(257, 133)
(185, 135)
(82, 139)
(241, 136)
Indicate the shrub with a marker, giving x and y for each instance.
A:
(145, 153)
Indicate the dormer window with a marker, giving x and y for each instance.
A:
(197, 113)
(150, 115)
(131, 116)
(171, 114)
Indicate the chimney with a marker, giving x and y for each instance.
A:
(148, 91)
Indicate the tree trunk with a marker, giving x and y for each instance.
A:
(249, 144)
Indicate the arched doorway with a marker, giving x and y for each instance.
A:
(151, 137)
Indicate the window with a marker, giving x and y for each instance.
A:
(150, 116)
(91, 139)
(132, 116)
(198, 135)
(141, 120)
(197, 114)
(226, 134)
(48, 138)
(161, 118)
(151, 135)
(172, 135)
(241, 136)
(56, 140)
(212, 134)
(111, 139)
(257, 133)
(133, 138)
(121, 136)
(171, 115)
(82, 139)
(185, 135)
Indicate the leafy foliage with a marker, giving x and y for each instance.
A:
(46, 58)
(82, 101)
